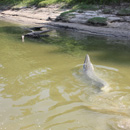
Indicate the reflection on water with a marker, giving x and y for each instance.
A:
(42, 87)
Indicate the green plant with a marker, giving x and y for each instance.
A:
(97, 21)
(86, 7)
(67, 12)
(123, 12)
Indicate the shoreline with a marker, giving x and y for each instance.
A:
(39, 17)
(97, 31)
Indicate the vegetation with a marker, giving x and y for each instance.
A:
(80, 7)
(124, 12)
(86, 6)
(107, 11)
(69, 2)
(97, 21)
(66, 12)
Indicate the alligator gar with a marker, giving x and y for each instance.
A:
(90, 75)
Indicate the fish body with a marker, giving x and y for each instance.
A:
(90, 75)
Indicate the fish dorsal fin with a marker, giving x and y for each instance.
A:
(87, 64)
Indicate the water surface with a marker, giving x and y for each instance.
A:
(42, 86)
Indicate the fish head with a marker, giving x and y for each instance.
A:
(88, 66)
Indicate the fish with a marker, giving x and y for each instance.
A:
(91, 76)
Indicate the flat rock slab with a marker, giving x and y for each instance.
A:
(115, 19)
(112, 19)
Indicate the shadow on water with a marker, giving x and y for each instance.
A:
(108, 49)
(11, 30)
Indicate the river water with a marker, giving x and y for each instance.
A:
(42, 86)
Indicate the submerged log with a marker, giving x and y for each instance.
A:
(36, 34)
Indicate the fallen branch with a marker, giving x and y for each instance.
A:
(36, 32)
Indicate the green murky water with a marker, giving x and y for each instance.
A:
(41, 84)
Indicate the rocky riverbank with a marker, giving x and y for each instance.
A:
(106, 21)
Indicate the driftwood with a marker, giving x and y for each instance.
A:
(35, 34)
(36, 28)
